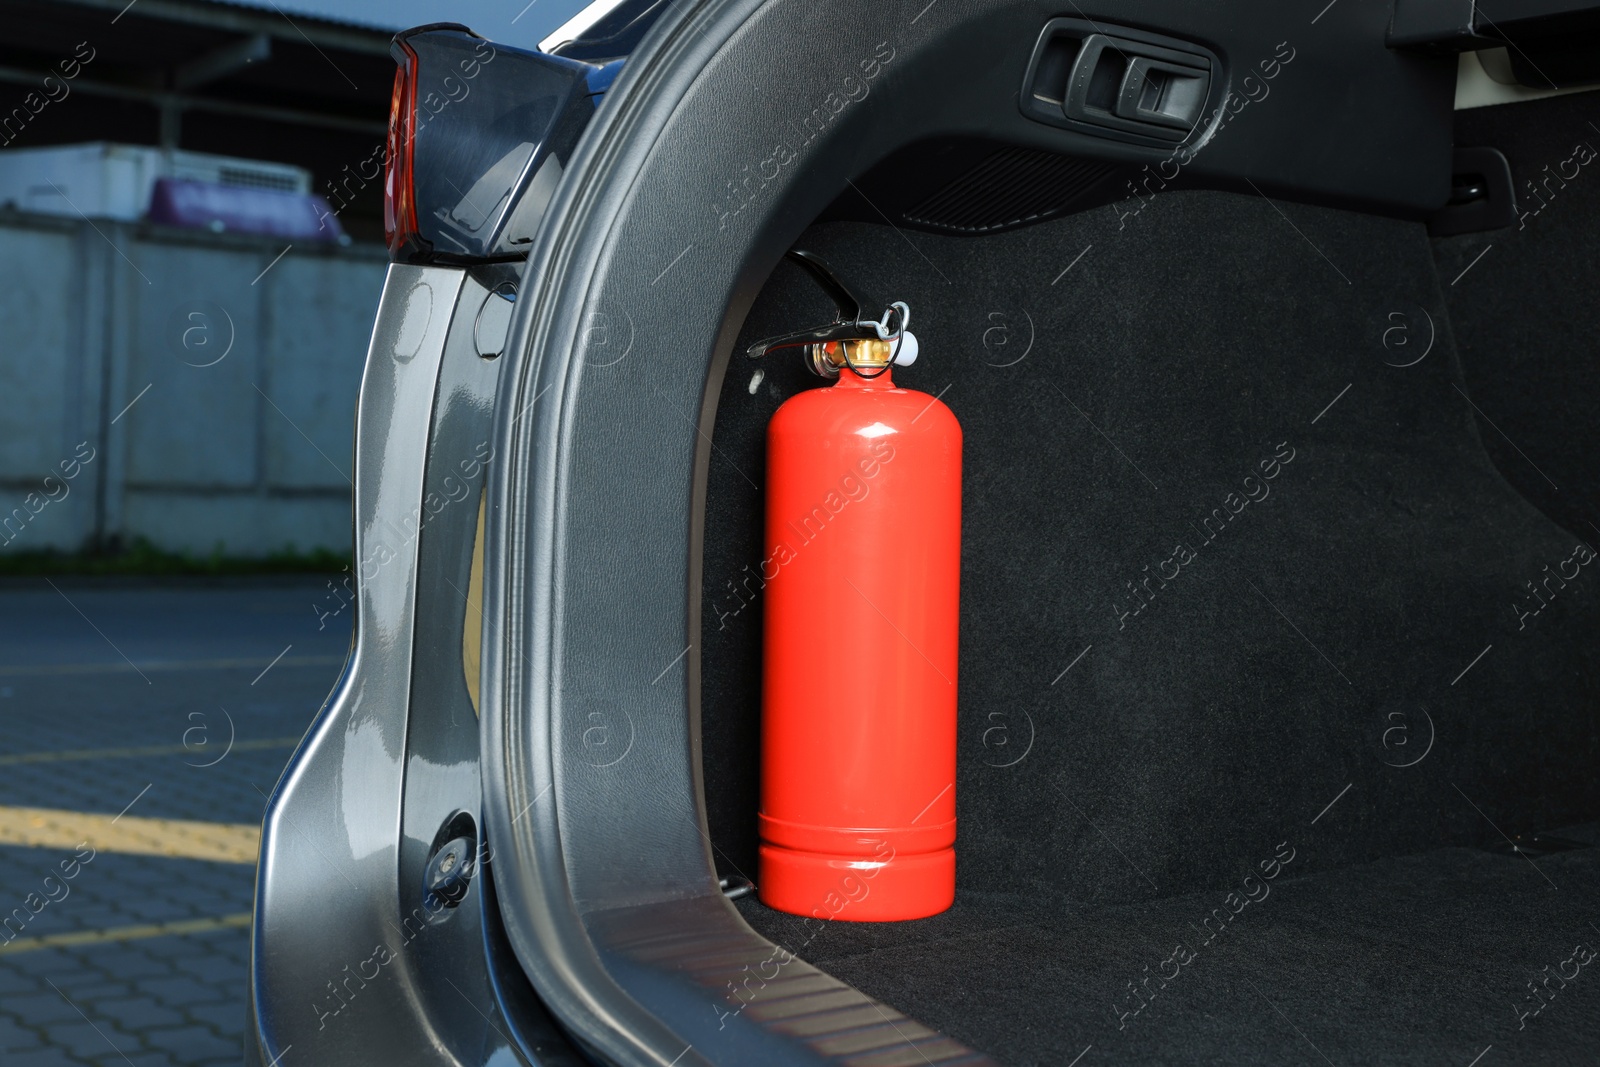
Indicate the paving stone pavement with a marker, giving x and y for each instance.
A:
(67, 688)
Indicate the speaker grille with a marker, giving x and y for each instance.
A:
(1011, 187)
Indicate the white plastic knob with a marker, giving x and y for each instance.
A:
(907, 353)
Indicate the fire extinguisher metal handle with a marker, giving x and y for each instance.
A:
(834, 331)
(848, 303)
(848, 326)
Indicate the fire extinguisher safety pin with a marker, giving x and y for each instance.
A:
(885, 330)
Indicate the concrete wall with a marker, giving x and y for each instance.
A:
(241, 371)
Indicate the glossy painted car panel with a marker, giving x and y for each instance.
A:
(348, 965)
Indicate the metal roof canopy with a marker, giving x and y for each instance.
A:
(229, 79)
(195, 55)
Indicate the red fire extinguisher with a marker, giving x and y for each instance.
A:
(863, 560)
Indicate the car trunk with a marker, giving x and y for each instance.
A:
(1277, 603)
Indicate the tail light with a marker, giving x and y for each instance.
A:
(399, 190)
(479, 135)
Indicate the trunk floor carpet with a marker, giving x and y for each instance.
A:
(1422, 959)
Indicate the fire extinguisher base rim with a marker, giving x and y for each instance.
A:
(850, 889)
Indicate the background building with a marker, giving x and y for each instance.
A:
(187, 375)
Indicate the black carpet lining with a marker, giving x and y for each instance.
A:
(1418, 959)
(1525, 314)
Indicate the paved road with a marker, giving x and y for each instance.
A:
(140, 729)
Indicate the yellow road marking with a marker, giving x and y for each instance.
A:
(177, 838)
(164, 665)
(125, 933)
(147, 750)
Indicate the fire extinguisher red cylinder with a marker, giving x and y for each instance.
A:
(858, 763)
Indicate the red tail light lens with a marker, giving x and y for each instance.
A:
(501, 124)
(399, 189)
